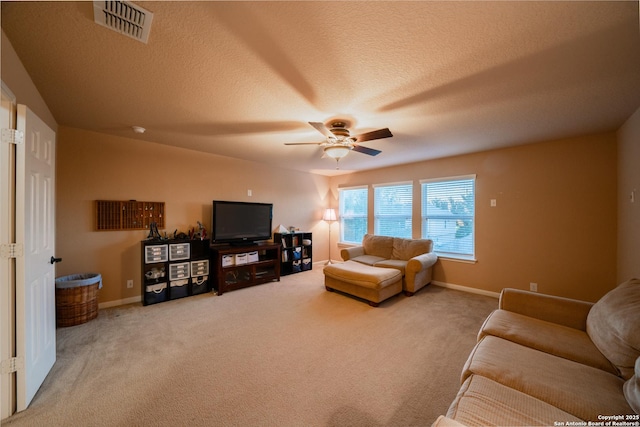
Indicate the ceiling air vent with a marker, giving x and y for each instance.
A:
(123, 17)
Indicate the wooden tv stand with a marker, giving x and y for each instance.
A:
(259, 263)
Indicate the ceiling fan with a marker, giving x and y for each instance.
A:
(339, 141)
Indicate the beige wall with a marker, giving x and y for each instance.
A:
(93, 166)
(628, 211)
(554, 223)
(15, 76)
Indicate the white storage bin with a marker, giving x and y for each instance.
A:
(155, 253)
(241, 259)
(179, 271)
(178, 251)
(200, 268)
(228, 260)
(252, 256)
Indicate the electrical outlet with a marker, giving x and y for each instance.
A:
(129, 283)
(533, 287)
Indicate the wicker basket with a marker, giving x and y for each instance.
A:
(78, 304)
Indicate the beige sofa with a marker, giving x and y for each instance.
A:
(413, 257)
(545, 360)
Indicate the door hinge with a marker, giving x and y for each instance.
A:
(11, 365)
(12, 136)
(11, 250)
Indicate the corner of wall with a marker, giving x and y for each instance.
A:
(629, 199)
(15, 76)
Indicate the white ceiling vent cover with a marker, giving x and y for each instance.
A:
(124, 17)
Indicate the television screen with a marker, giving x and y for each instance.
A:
(237, 222)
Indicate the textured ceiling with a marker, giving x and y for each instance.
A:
(240, 79)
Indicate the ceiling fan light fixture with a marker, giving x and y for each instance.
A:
(338, 141)
(337, 151)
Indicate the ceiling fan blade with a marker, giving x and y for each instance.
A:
(303, 143)
(366, 150)
(376, 134)
(320, 127)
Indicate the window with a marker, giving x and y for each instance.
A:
(353, 213)
(392, 206)
(448, 207)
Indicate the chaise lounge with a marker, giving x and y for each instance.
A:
(373, 284)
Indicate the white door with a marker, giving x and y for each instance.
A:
(35, 270)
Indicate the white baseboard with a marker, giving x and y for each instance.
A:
(133, 300)
(118, 302)
(466, 289)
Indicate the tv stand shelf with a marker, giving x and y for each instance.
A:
(238, 267)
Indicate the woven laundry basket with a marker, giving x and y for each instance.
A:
(77, 298)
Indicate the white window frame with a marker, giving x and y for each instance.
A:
(423, 220)
(377, 216)
(342, 215)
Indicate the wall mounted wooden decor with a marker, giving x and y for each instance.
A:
(128, 215)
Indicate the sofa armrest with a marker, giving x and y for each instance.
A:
(562, 311)
(422, 262)
(349, 253)
(443, 421)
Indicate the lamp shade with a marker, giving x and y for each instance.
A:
(336, 151)
(329, 215)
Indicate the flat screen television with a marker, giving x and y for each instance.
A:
(240, 222)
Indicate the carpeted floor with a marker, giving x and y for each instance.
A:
(286, 353)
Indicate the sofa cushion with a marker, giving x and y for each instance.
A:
(368, 259)
(483, 402)
(398, 264)
(380, 246)
(581, 390)
(612, 325)
(559, 340)
(406, 249)
(362, 275)
(632, 389)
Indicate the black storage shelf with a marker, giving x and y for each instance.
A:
(174, 268)
(297, 252)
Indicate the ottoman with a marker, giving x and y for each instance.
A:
(373, 284)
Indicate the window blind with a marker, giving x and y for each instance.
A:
(393, 209)
(353, 213)
(448, 212)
